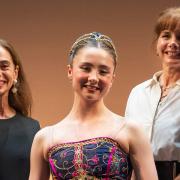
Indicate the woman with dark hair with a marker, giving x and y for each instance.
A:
(91, 142)
(17, 130)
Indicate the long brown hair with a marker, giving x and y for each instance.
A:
(21, 101)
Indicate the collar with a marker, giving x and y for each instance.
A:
(155, 80)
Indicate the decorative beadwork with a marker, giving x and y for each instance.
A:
(98, 158)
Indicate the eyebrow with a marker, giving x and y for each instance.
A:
(86, 63)
(4, 62)
(100, 66)
(104, 66)
(165, 31)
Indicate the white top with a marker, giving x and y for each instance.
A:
(161, 120)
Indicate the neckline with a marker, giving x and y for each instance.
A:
(52, 148)
(165, 87)
(9, 119)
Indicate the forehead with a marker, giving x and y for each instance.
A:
(175, 31)
(94, 55)
(170, 23)
(4, 54)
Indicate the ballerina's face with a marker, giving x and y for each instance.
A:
(92, 73)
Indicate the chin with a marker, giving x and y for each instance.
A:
(91, 99)
(3, 92)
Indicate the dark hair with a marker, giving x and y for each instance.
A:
(94, 39)
(168, 19)
(21, 101)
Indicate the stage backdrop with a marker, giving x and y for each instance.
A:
(43, 31)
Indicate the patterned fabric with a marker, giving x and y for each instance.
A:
(98, 158)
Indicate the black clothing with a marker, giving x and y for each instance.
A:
(167, 170)
(16, 136)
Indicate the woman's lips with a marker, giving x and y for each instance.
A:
(173, 54)
(92, 88)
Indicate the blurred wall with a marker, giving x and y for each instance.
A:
(43, 31)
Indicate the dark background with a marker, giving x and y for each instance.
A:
(43, 31)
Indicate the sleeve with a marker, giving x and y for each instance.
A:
(129, 107)
(36, 126)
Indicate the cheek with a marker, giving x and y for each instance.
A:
(106, 83)
(9, 75)
(161, 45)
(158, 50)
(79, 78)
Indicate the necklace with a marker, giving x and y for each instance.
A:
(165, 89)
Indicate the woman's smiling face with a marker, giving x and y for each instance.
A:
(92, 73)
(168, 44)
(8, 71)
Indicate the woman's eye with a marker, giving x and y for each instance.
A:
(85, 68)
(165, 35)
(4, 67)
(103, 72)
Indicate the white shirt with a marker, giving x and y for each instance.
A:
(161, 120)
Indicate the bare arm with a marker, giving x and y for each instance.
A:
(39, 166)
(141, 154)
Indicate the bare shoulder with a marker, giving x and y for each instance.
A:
(46, 132)
(135, 131)
(140, 151)
(130, 126)
(118, 120)
(42, 134)
(130, 134)
(42, 140)
(133, 127)
(136, 136)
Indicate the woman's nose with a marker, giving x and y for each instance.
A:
(174, 43)
(93, 77)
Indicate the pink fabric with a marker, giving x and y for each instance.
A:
(52, 166)
(110, 160)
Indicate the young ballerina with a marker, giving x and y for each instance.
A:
(92, 142)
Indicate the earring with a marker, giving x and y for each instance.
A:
(14, 88)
